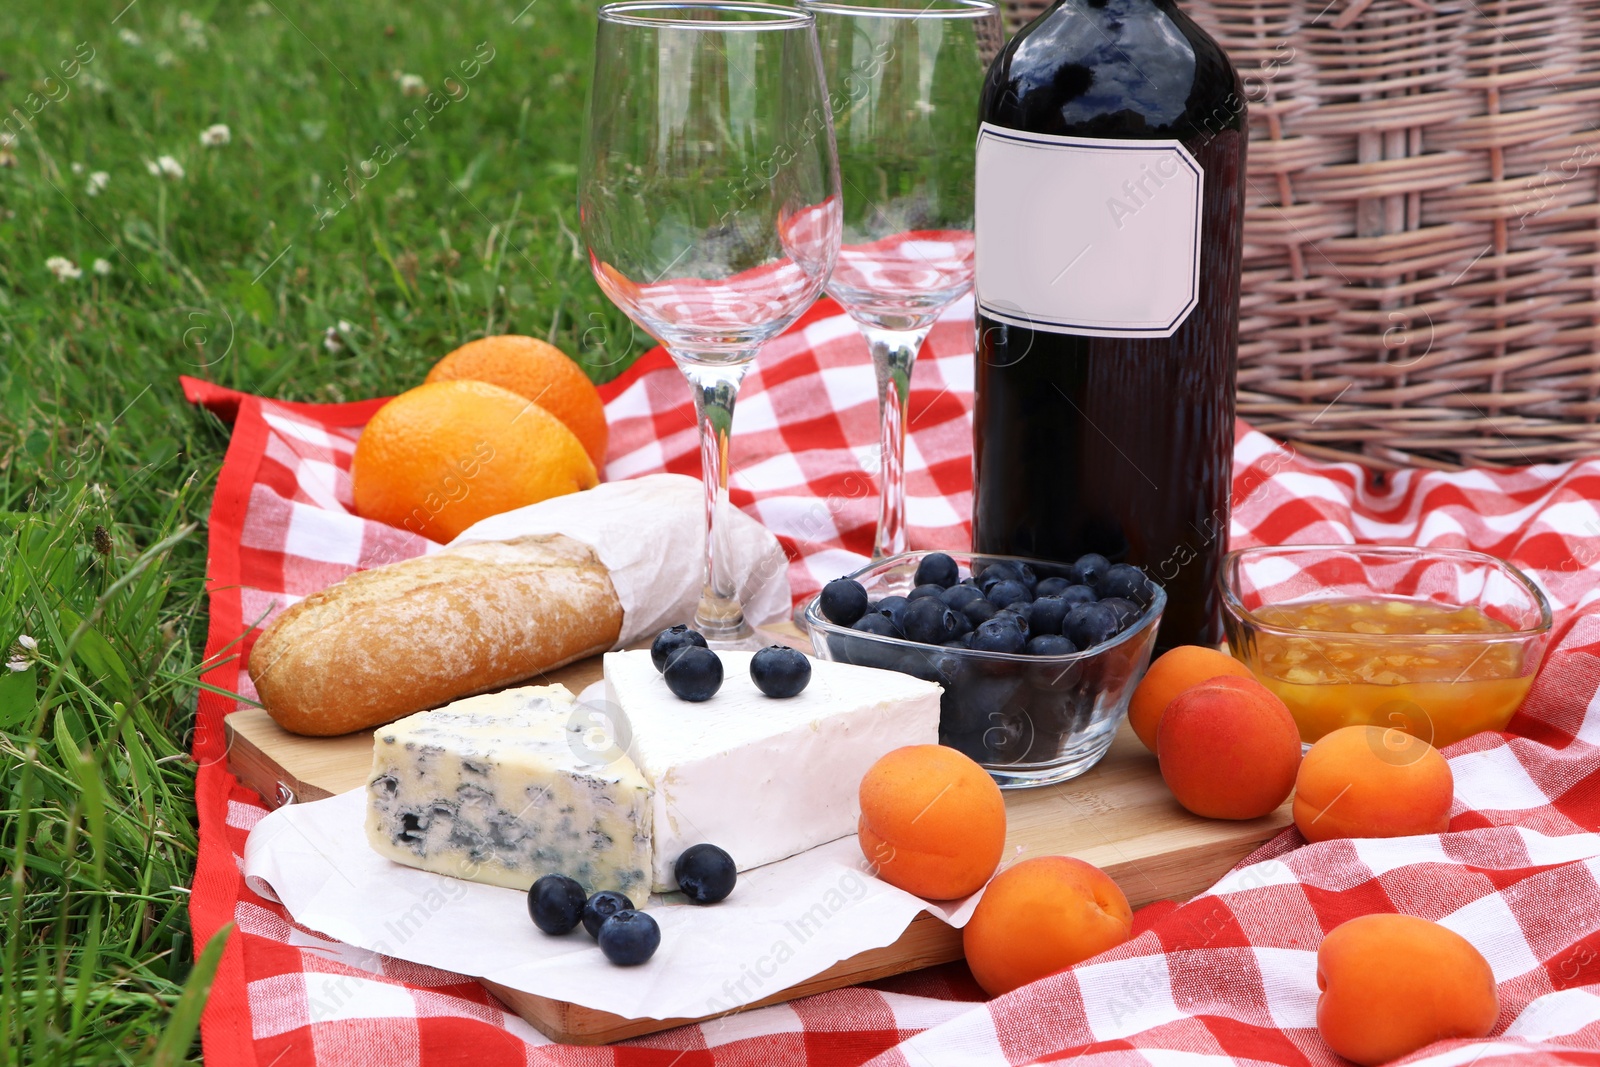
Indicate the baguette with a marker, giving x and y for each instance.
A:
(414, 635)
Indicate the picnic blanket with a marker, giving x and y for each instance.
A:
(1230, 975)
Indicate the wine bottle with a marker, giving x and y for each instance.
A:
(1109, 215)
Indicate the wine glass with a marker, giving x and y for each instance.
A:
(709, 200)
(903, 78)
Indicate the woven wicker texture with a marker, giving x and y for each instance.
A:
(1422, 235)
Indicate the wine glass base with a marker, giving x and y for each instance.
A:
(723, 625)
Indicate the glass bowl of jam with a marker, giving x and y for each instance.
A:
(1439, 643)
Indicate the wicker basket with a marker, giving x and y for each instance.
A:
(1422, 237)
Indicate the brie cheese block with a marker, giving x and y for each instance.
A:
(502, 788)
(759, 777)
(507, 787)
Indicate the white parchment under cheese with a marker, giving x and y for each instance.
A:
(784, 923)
(650, 534)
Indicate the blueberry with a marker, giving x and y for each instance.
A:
(1089, 569)
(601, 907)
(1126, 611)
(1078, 594)
(998, 635)
(928, 620)
(998, 571)
(1050, 586)
(780, 671)
(705, 873)
(1017, 615)
(877, 623)
(963, 624)
(938, 569)
(970, 699)
(926, 589)
(1027, 577)
(1126, 582)
(670, 640)
(964, 641)
(979, 611)
(1045, 614)
(959, 596)
(1004, 594)
(1087, 625)
(555, 903)
(694, 673)
(629, 938)
(895, 608)
(843, 601)
(1050, 645)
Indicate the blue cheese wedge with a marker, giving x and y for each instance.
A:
(501, 788)
(759, 777)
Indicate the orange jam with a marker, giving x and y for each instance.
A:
(1369, 661)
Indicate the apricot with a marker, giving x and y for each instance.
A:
(932, 821)
(1174, 671)
(1392, 984)
(1371, 781)
(1041, 916)
(1228, 748)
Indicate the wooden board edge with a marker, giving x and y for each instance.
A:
(926, 942)
(276, 784)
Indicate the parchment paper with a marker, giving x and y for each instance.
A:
(650, 533)
(784, 923)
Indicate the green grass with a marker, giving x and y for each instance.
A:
(325, 210)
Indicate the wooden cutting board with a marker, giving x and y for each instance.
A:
(1118, 816)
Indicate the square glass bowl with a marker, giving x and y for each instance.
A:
(1029, 720)
(1439, 643)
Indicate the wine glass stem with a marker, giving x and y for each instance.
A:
(894, 353)
(716, 386)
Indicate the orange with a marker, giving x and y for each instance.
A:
(1172, 673)
(440, 457)
(540, 372)
(1042, 916)
(932, 821)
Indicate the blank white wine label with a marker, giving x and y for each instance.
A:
(1087, 235)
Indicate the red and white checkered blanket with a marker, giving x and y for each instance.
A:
(1228, 975)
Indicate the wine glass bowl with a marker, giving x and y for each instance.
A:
(903, 78)
(709, 204)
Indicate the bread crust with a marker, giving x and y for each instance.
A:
(420, 633)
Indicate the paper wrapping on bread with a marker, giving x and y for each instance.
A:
(650, 534)
(514, 596)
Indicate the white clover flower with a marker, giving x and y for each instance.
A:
(331, 342)
(194, 30)
(100, 267)
(413, 85)
(98, 180)
(63, 268)
(165, 166)
(216, 134)
(166, 58)
(128, 37)
(77, 168)
(344, 327)
(28, 643)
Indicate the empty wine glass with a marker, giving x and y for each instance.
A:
(903, 80)
(709, 200)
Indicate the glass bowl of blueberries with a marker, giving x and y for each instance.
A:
(1037, 659)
